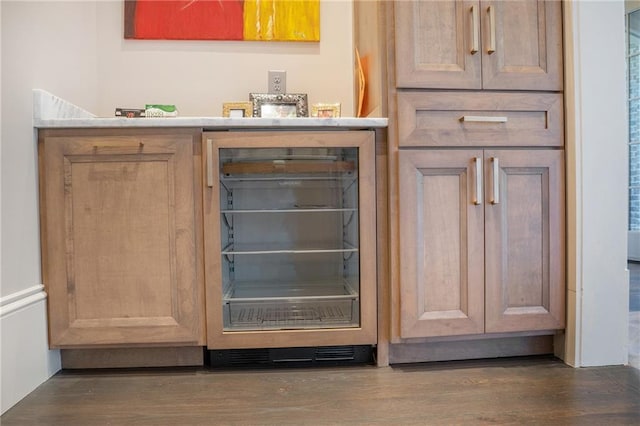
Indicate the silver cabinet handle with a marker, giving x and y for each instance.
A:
(483, 119)
(477, 198)
(209, 163)
(492, 29)
(475, 43)
(495, 199)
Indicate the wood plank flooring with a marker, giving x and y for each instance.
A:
(507, 391)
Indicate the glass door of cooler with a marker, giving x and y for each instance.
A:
(289, 238)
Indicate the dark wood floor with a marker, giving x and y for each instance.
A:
(512, 391)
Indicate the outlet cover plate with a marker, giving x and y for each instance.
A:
(278, 82)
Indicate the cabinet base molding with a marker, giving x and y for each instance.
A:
(132, 357)
(474, 349)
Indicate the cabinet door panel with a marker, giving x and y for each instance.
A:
(433, 44)
(524, 240)
(116, 274)
(441, 244)
(120, 255)
(522, 45)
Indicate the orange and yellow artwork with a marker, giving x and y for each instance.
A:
(257, 20)
(286, 20)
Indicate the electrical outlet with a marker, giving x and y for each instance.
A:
(278, 82)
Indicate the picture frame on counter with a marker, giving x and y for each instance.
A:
(270, 105)
(237, 109)
(325, 110)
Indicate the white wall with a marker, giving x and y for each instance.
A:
(0, 156)
(50, 45)
(198, 76)
(44, 45)
(597, 163)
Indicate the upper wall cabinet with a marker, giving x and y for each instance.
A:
(502, 45)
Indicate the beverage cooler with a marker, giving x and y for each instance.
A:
(290, 245)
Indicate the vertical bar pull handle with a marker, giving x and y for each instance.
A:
(475, 24)
(209, 163)
(495, 199)
(477, 198)
(492, 29)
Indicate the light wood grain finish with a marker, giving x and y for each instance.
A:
(436, 50)
(288, 167)
(470, 347)
(528, 48)
(498, 45)
(530, 391)
(370, 41)
(434, 119)
(382, 245)
(442, 247)
(515, 236)
(433, 44)
(524, 238)
(120, 244)
(132, 357)
(391, 297)
(367, 332)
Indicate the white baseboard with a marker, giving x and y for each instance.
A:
(25, 359)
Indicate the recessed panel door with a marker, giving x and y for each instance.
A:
(120, 253)
(438, 44)
(524, 239)
(522, 45)
(441, 243)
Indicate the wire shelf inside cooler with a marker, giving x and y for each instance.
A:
(283, 315)
(280, 290)
(281, 305)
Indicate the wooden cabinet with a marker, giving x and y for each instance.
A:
(481, 241)
(502, 45)
(441, 244)
(468, 81)
(524, 240)
(119, 237)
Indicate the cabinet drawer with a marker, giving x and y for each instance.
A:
(480, 119)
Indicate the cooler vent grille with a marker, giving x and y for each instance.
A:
(328, 355)
(248, 356)
(335, 353)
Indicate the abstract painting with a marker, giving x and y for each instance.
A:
(257, 20)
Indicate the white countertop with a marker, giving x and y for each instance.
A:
(50, 111)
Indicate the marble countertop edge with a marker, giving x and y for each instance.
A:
(50, 111)
(210, 122)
